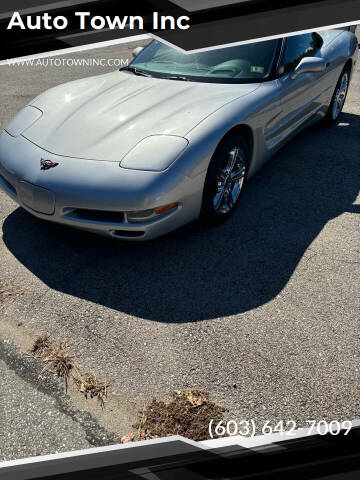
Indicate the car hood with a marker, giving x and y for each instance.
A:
(103, 117)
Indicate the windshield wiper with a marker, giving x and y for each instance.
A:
(177, 77)
(136, 71)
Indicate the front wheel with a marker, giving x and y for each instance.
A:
(339, 97)
(225, 179)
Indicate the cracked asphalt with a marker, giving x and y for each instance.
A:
(36, 417)
(263, 311)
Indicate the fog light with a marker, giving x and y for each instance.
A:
(140, 216)
(146, 215)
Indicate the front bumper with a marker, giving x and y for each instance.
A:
(75, 186)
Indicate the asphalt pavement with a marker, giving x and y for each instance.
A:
(35, 416)
(263, 311)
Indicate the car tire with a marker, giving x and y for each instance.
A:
(225, 180)
(339, 98)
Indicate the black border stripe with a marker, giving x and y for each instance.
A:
(228, 29)
(306, 458)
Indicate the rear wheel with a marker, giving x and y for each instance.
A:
(339, 97)
(225, 179)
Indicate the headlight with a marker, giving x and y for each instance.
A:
(23, 120)
(155, 153)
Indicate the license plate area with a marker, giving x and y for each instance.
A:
(36, 198)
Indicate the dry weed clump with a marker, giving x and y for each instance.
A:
(59, 360)
(188, 414)
(90, 386)
(41, 345)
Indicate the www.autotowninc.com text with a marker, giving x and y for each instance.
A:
(68, 62)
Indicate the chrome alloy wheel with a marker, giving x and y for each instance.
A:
(340, 96)
(230, 180)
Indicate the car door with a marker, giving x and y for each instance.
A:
(302, 96)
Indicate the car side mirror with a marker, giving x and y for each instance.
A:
(136, 51)
(309, 65)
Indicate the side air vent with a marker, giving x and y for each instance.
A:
(128, 233)
(101, 216)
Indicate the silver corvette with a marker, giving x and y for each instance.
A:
(139, 152)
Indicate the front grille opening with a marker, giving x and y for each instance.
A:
(128, 233)
(8, 186)
(103, 216)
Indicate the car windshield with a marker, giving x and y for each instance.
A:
(240, 64)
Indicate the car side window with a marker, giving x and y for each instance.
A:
(297, 48)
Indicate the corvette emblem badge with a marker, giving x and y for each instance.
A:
(47, 164)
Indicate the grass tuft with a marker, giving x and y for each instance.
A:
(41, 345)
(90, 386)
(59, 360)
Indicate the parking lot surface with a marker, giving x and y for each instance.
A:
(262, 311)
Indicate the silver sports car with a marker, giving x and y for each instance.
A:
(136, 153)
